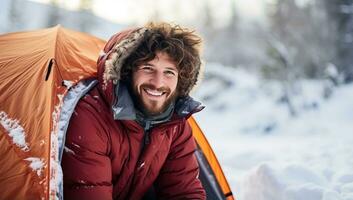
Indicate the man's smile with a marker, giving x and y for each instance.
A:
(152, 92)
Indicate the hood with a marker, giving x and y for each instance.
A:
(110, 64)
(112, 57)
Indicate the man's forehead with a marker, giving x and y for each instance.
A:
(164, 60)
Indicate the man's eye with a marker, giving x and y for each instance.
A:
(170, 73)
(146, 68)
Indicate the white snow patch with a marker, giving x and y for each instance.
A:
(76, 145)
(56, 178)
(41, 142)
(55, 168)
(68, 84)
(15, 131)
(141, 165)
(36, 164)
(68, 150)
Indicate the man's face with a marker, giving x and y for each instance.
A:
(154, 84)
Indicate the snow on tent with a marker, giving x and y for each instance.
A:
(38, 70)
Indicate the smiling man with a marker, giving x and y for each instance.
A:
(154, 84)
(128, 137)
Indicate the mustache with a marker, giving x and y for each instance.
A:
(152, 87)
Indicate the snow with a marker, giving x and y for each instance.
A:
(68, 150)
(36, 164)
(18, 135)
(268, 154)
(68, 84)
(15, 131)
(55, 168)
(55, 178)
(141, 165)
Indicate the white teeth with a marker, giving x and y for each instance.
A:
(153, 92)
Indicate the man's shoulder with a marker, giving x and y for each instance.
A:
(91, 116)
(93, 102)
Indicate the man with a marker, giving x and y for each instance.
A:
(129, 137)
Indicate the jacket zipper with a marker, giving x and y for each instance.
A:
(147, 132)
(146, 136)
(146, 139)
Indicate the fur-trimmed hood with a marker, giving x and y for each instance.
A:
(118, 48)
(111, 58)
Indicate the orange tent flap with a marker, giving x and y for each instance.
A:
(211, 158)
(33, 65)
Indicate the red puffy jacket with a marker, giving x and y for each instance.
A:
(106, 158)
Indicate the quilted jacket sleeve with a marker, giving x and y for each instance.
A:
(178, 178)
(86, 164)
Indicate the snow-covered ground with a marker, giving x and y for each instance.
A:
(266, 153)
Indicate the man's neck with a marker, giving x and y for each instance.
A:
(148, 121)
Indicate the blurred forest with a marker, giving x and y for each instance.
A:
(293, 40)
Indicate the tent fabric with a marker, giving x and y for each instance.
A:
(30, 104)
(211, 159)
(36, 70)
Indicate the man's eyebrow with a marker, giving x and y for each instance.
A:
(152, 65)
(148, 64)
(172, 68)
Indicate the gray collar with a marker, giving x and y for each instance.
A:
(124, 109)
(149, 121)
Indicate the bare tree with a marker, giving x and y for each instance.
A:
(308, 34)
(341, 12)
(301, 43)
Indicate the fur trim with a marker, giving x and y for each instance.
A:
(122, 49)
(199, 78)
(120, 52)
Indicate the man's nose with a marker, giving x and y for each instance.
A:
(157, 80)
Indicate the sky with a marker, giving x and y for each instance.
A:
(140, 11)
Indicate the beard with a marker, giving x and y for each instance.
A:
(152, 107)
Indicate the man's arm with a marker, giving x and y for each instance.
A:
(178, 178)
(86, 166)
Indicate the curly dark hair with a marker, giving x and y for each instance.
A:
(180, 44)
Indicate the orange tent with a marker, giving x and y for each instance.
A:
(36, 70)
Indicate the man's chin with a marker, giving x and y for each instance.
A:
(155, 108)
(153, 111)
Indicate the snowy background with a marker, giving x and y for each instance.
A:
(268, 154)
(277, 87)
